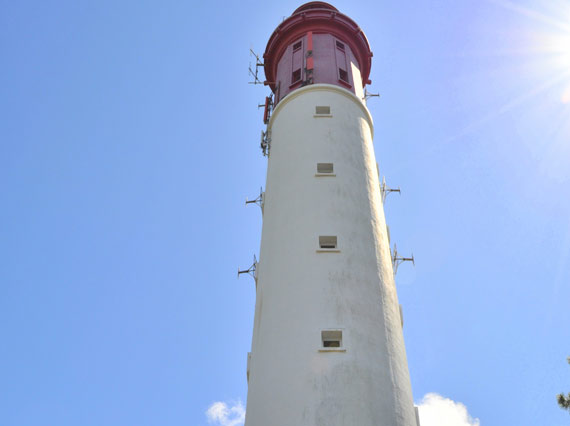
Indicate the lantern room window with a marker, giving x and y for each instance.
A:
(296, 62)
(296, 76)
(341, 62)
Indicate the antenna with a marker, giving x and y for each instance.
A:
(385, 190)
(265, 143)
(368, 95)
(251, 270)
(258, 64)
(397, 261)
(268, 107)
(258, 200)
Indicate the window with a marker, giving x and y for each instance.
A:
(327, 242)
(296, 62)
(341, 62)
(325, 167)
(323, 110)
(331, 338)
(296, 76)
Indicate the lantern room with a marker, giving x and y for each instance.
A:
(317, 44)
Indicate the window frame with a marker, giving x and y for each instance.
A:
(341, 68)
(335, 335)
(323, 168)
(297, 47)
(326, 244)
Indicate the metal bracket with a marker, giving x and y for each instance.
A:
(385, 190)
(252, 270)
(397, 261)
(368, 95)
(259, 200)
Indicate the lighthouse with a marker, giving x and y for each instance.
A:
(327, 346)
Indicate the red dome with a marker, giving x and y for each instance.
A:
(315, 5)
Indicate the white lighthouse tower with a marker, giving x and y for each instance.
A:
(327, 346)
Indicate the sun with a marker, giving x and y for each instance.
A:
(549, 41)
(534, 48)
(557, 44)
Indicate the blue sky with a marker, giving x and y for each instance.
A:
(129, 141)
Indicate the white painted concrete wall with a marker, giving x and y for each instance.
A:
(301, 291)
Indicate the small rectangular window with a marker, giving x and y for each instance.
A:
(322, 110)
(296, 76)
(341, 62)
(331, 338)
(325, 167)
(327, 242)
(297, 62)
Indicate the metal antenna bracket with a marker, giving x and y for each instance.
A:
(385, 190)
(397, 261)
(252, 270)
(368, 95)
(259, 200)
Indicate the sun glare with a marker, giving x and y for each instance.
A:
(538, 39)
(551, 41)
(557, 44)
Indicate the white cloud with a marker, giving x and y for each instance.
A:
(219, 413)
(436, 410)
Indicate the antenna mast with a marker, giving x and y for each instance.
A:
(258, 63)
